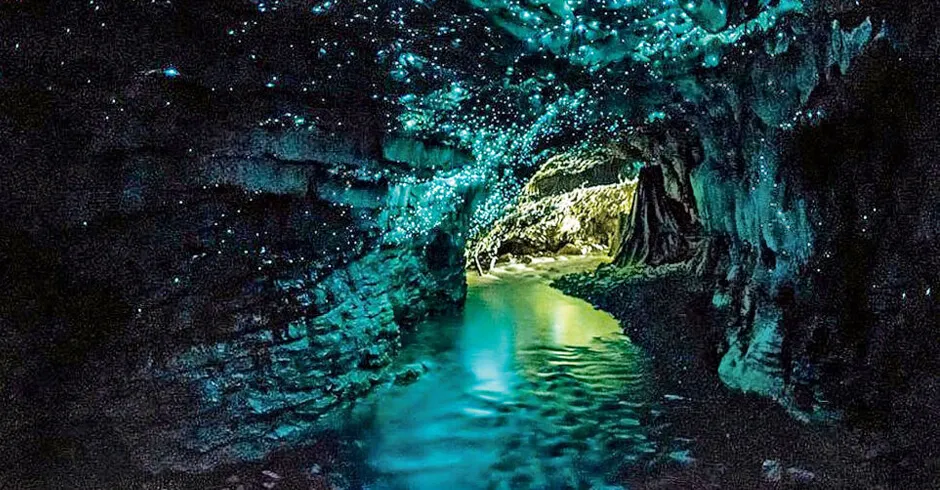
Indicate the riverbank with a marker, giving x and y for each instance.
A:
(741, 440)
(547, 268)
(337, 457)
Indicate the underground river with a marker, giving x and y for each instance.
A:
(526, 388)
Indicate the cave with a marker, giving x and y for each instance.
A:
(483, 244)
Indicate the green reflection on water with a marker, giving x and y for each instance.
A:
(530, 389)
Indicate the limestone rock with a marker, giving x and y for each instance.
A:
(658, 228)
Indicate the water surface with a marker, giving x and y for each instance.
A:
(526, 388)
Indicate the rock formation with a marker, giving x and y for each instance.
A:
(813, 251)
(210, 243)
(203, 310)
(657, 230)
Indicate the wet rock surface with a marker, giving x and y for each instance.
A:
(194, 276)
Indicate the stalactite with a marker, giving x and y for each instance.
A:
(658, 228)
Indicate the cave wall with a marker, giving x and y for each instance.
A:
(810, 175)
(268, 378)
(192, 288)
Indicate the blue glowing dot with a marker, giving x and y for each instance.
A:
(171, 72)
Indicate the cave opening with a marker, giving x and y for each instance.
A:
(572, 205)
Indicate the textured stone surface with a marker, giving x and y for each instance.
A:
(210, 305)
(802, 164)
(657, 229)
(264, 385)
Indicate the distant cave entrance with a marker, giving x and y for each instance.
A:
(571, 206)
(629, 201)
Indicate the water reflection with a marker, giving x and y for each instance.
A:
(530, 389)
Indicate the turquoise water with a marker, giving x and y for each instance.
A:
(526, 388)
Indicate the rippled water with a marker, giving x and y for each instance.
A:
(527, 388)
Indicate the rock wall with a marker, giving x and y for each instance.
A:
(269, 378)
(209, 291)
(808, 168)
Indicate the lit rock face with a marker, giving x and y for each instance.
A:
(572, 205)
(752, 200)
